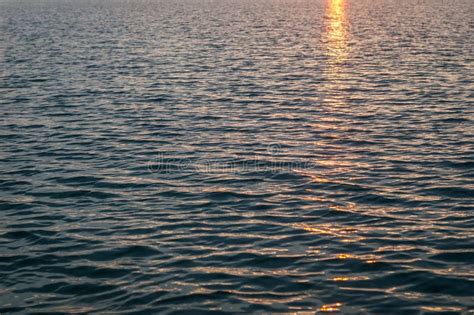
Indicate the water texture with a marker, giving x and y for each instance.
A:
(237, 156)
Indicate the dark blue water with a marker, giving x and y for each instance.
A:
(237, 156)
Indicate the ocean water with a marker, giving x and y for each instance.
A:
(237, 156)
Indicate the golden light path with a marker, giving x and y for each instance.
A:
(335, 38)
(336, 30)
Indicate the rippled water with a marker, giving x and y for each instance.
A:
(237, 156)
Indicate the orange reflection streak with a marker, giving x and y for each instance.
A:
(330, 307)
(335, 38)
(352, 278)
(336, 31)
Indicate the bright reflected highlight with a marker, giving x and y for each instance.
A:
(336, 30)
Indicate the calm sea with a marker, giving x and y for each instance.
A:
(236, 156)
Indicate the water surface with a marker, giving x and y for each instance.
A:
(236, 156)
